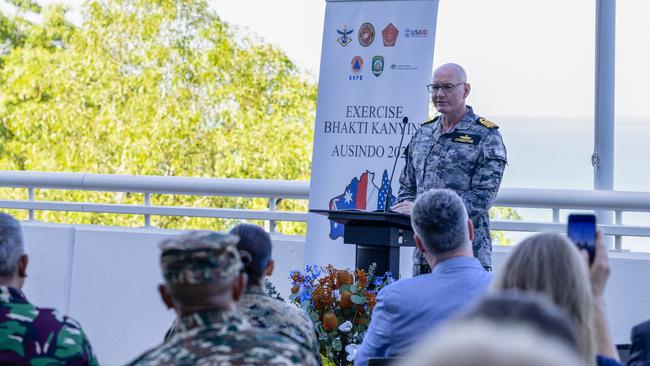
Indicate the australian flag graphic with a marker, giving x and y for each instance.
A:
(361, 194)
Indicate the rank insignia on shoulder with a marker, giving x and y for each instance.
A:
(488, 124)
(431, 121)
(465, 138)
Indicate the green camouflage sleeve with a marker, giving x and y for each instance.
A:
(72, 342)
(486, 179)
(407, 182)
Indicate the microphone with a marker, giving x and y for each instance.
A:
(405, 122)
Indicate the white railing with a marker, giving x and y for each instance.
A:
(273, 190)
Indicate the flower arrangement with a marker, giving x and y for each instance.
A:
(270, 290)
(340, 304)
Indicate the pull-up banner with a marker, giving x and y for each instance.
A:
(376, 62)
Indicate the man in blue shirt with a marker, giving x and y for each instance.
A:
(410, 308)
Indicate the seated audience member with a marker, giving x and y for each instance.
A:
(259, 308)
(482, 342)
(203, 281)
(410, 308)
(32, 335)
(552, 265)
(640, 347)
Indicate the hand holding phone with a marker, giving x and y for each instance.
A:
(582, 231)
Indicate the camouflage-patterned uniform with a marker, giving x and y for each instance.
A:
(263, 311)
(30, 335)
(276, 316)
(225, 338)
(214, 336)
(470, 160)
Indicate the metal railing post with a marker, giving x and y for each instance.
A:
(30, 197)
(556, 214)
(618, 239)
(272, 207)
(604, 107)
(147, 202)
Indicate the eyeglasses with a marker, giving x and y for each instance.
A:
(446, 88)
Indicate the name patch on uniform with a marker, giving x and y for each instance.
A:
(465, 138)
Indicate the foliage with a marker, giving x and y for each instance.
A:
(146, 87)
(502, 213)
(340, 305)
(270, 290)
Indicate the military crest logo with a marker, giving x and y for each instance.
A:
(377, 65)
(344, 36)
(366, 34)
(357, 65)
(389, 35)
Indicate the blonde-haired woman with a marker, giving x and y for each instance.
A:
(551, 264)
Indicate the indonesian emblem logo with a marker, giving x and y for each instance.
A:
(344, 38)
(377, 65)
(366, 34)
(389, 35)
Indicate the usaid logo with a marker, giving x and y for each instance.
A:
(416, 33)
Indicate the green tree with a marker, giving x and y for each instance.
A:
(502, 213)
(152, 88)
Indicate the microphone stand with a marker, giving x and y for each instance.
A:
(405, 122)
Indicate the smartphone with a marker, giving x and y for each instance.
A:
(582, 231)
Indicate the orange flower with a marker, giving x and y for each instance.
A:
(295, 289)
(343, 278)
(321, 297)
(360, 311)
(346, 300)
(371, 300)
(362, 278)
(297, 277)
(329, 322)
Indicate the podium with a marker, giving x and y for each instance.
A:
(378, 236)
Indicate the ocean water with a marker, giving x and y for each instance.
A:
(556, 153)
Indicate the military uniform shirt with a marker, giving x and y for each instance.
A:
(30, 335)
(469, 160)
(224, 338)
(263, 311)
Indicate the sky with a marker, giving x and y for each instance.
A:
(523, 58)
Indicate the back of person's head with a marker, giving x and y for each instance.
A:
(485, 343)
(256, 242)
(202, 269)
(439, 218)
(530, 309)
(11, 245)
(550, 264)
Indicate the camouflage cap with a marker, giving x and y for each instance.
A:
(199, 257)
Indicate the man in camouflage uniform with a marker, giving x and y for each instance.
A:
(261, 310)
(31, 335)
(457, 150)
(203, 281)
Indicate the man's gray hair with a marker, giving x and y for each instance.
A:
(11, 245)
(439, 217)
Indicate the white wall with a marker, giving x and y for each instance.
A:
(107, 279)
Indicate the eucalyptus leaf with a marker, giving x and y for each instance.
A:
(359, 300)
(305, 305)
(337, 345)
